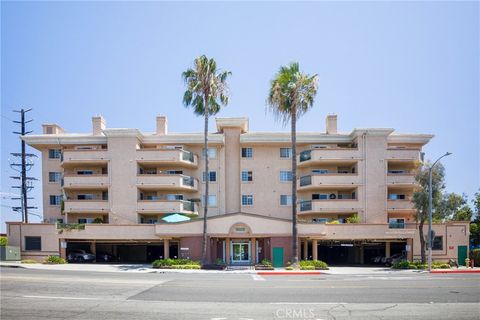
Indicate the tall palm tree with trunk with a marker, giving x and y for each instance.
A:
(292, 93)
(206, 92)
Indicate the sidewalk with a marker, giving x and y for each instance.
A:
(146, 268)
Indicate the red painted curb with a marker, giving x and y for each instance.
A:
(287, 273)
(455, 271)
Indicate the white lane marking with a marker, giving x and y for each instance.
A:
(257, 277)
(302, 303)
(63, 298)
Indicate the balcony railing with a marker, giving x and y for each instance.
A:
(328, 179)
(84, 156)
(305, 155)
(328, 154)
(188, 156)
(188, 181)
(167, 182)
(305, 181)
(306, 205)
(167, 156)
(166, 206)
(87, 181)
(329, 205)
(396, 225)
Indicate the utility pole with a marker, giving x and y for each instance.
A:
(26, 163)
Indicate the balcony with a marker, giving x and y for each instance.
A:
(328, 155)
(336, 180)
(174, 157)
(329, 206)
(394, 205)
(352, 231)
(403, 154)
(178, 182)
(401, 179)
(74, 157)
(90, 181)
(86, 206)
(167, 206)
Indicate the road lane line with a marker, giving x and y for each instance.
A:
(61, 298)
(256, 277)
(307, 303)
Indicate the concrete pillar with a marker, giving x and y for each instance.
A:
(361, 255)
(305, 249)
(387, 249)
(166, 249)
(254, 251)
(410, 253)
(93, 248)
(227, 250)
(315, 249)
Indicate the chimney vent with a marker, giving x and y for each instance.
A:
(98, 125)
(162, 125)
(331, 124)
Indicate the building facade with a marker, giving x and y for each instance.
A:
(139, 196)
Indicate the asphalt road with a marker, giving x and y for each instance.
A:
(47, 294)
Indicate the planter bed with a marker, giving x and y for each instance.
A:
(263, 267)
(214, 267)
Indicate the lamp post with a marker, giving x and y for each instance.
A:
(430, 238)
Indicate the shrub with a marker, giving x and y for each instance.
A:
(334, 222)
(219, 261)
(354, 219)
(54, 260)
(307, 268)
(266, 262)
(320, 265)
(289, 268)
(476, 256)
(185, 266)
(174, 262)
(404, 265)
(3, 241)
(316, 264)
(29, 261)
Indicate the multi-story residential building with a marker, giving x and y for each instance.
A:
(117, 191)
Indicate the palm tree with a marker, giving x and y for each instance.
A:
(291, 95)
(206, 91)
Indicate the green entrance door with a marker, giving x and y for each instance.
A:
(462, 255)
(278, 257)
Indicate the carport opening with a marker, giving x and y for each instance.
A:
(357, 253)
(124, 252)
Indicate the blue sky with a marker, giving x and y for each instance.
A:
(412, 66)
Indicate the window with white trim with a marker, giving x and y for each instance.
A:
(212, 153)
(54, 176)
(247, 176)
(247, 200)
(212, 176)
(286, 153)
(285, 200)
(54, 153)
(55, 200)
(247, 152)
(285, 176)
(212, 200)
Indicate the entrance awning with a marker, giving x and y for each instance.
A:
(175, 218)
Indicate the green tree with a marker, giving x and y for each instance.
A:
(450, 205)
(291, 95)
(420, 197)
(476, 206)
(207, 91)
(475, 225)
(464, 213)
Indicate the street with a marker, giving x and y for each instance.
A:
(49, 294)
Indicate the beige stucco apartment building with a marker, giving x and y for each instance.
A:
(123, 183)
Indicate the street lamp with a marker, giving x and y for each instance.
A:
(430, 238)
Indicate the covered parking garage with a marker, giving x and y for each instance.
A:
(125, 251)
(354, 252)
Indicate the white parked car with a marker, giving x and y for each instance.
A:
(79, 255)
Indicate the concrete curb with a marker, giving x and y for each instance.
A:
(288, 273)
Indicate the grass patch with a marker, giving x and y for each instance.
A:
(29, 261)
(54, 260)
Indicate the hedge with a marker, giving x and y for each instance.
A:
(316, 264)
(54, 260)
(174, 262)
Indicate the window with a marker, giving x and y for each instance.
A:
(84, 172)
(212, 200)
(174, 197)
(285, 200)
(85, 220)
(212, 153)
(54, 153)
(320, 220)
(285, 152)
(247, 176)
(87, 196)
(396, 171)
(394, 196)
(33, 243)
(317, 196)
(148, 220)
(438, 243)
(247, 152)
(54, 176)
(320, 171)
(172, 172)
(285, 176)
(212, 176)
(396, 223)
(148, 170)
(55, 200)
(247, 200)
